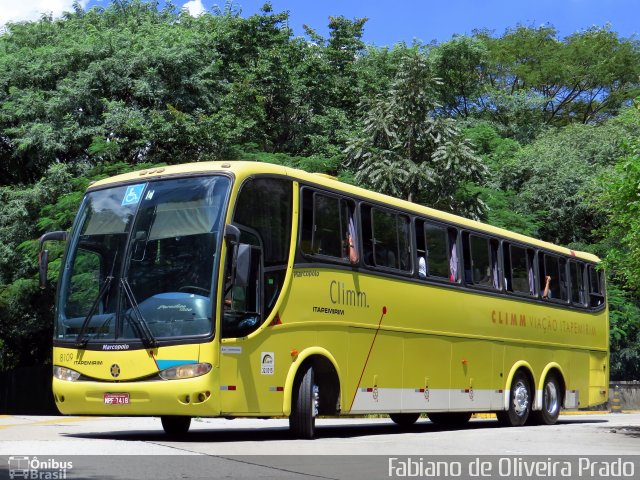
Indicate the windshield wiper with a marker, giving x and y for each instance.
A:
(80, 341)
(147, 336)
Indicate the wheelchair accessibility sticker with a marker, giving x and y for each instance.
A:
(133, 194)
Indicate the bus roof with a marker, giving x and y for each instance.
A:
(243, 169)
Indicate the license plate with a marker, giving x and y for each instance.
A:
(116, 399)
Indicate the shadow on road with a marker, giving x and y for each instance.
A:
(268, 434)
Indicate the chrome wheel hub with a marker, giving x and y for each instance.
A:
(551, 398)
(315, 401)
(520, 399)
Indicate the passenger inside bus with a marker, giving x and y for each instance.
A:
(547, 288)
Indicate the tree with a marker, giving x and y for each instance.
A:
(555, 177)
(405, 149)
(585, 77)
(620, 204)
(459, 63)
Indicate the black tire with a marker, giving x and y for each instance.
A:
(404, 419)
(450, 419)
(175, 425)
(304, 406)
(519, 402)
(551, 402)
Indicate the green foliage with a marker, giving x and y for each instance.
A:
(554, 177)
(404, 149)
(620, 203)
(624, 319)
(459, 64)
(26, 311)
(584, 77)
(524, 129)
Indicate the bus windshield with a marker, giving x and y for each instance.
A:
(141, 262)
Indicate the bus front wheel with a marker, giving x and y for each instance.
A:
(304, 405)
(175, 425)
(519, 402)
(404, 419)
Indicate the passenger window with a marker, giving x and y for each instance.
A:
(576, 272)
(481, 261)
(263, 215)
(519, 268)
(437, 258)
(596, 287)
(325, 225)
(553, 278)
(386, 239)
(435, 245)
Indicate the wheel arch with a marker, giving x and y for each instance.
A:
(327, 373)
(525, 367)
(551, 368)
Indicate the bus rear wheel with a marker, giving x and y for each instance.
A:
(450, 419)
(404, 419)
(304, 406)
(551, 399)
(519, 402)
(175, 425)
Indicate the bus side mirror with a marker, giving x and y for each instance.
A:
(242, 263)
(43, 267)
(231, 234)
(43, 255)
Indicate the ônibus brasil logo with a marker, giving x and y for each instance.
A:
(33, 468)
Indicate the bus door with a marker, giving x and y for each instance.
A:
(241, 315)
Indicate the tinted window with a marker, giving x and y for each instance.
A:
(386, 239)
(481, 261)
(554, 272)
(576, 272)
(437, 255)
(520, 270)
(325, 224)
(264, 205)
(596, 287)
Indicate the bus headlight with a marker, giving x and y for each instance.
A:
(185, 371)
(63, 373)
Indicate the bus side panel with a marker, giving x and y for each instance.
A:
(427, 373)
(577, 395)
(374, 373)
(253, 370)
(473, 375)
(598, 378)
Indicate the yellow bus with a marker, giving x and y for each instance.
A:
(243, 289)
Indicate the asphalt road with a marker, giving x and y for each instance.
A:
(234, 443)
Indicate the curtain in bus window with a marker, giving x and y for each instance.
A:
(404, 244)
(495, 273)
(181, 219)
(352, 240)
(453, 257)
(106, 215)
(532, 276)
